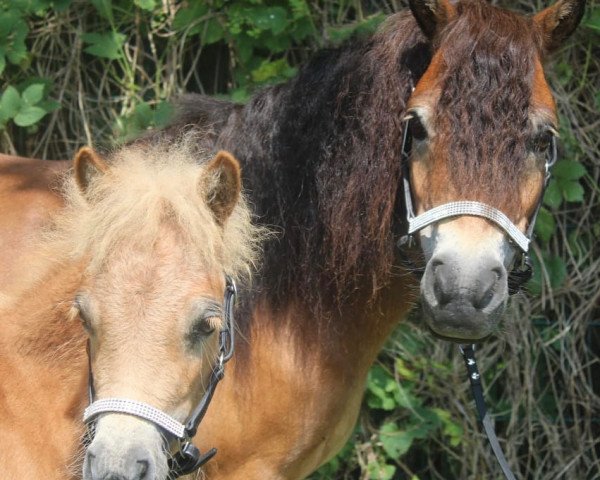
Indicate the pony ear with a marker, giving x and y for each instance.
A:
(222, 190)
(557, 22)
(88, 164)
(432, 15)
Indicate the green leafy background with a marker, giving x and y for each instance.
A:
(81, 72)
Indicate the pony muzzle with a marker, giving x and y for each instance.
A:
(462, 303)
(125, 448)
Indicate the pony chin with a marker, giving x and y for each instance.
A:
(447, 326)
(125, 448)
(464, 289)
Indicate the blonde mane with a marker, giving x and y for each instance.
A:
(149, 187)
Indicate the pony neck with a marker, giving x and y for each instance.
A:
(321, 160)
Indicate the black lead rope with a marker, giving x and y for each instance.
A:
(468, 353)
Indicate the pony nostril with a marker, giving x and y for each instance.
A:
(483, 301)
(142, 469)
(487, 288)
(442, 283)
(435, 263)
(499, 272)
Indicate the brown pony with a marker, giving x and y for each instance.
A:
(139, 255)
(321, 159)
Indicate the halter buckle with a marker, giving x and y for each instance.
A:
(189, 459)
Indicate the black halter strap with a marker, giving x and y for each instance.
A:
(189, 459)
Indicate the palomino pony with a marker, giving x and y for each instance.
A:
(322, 158)
(139, 255)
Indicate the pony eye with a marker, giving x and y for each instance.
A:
(206, 317)
(540, 143)
(417, 129)
(203, 326)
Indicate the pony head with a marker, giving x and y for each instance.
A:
(157, 227)
(482, 122)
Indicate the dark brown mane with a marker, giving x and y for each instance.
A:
(321, 160)
(488, 56)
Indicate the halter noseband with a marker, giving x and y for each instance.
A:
(188, 458)
(520, 273)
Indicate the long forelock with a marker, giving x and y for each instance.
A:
(482, 115)
(150, 187)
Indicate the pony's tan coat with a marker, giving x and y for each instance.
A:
(144, 238)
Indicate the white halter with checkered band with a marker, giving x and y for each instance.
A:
(188, 458)
(522, 271)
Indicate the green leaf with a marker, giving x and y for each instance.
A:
(564, 71)
(18, 49)
(572, 191)
(10, 103)
(395, 442)
(276, 43)
(145, 4)
(568, 170)
(105, 45)
(2, 62)
(382, 389)
(593, 20)
(404, 371)
(409, 339)
(553, 196)
(268, 18)
(275, 70)
(380, 471)
(303, 28)
(104, 8)
(343, 33)
(405, 398)
(28, 115)
(240, 95)
(557, 270)
(49, 105)
(534, 286)
(300, 9)
(212, 32)
(61, 5)
(33, 94)
(163, 114)
(451, 429)
(191, 17)
(245, 48)
(545, 225)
